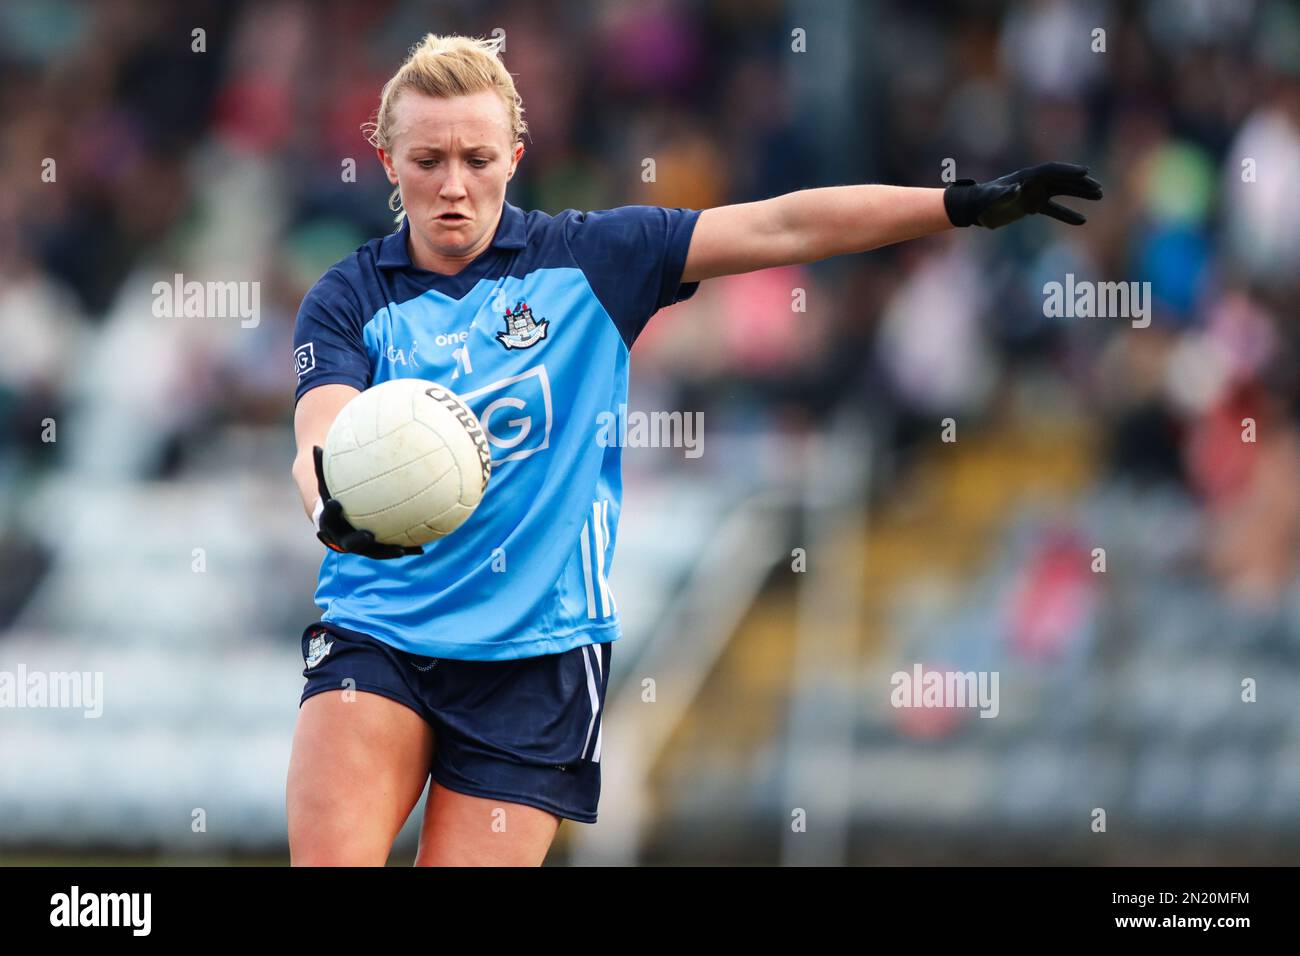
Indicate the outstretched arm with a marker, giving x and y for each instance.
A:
(815, 224)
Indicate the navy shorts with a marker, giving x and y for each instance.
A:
(522, 731)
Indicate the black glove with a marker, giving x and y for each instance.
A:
(1018, 194)
(337, 534)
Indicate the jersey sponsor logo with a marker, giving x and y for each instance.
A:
(522, 330)
(304, 358)
(317, 649)
(515, 414)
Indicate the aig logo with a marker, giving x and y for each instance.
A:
(515, 413)
(304, 358)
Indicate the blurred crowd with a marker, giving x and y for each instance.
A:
(140, 139)
(222, 141)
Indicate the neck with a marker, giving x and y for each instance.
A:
(424, 256)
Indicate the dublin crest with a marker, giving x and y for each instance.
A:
(522, 330)
(317, 649)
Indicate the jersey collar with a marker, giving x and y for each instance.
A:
(510, 234)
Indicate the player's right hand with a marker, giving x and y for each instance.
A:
(337, 533)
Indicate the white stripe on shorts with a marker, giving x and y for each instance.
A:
(594, 691)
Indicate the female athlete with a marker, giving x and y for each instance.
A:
(479, 663)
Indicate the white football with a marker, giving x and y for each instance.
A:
(408, 460)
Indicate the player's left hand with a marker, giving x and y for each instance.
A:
(1019, 194)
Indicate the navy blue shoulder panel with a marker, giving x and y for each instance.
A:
(632, 257)
(328, 346)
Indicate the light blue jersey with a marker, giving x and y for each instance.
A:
(534, 336)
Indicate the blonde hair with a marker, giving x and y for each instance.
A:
(445, 66)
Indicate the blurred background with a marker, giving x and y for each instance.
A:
(827, 537)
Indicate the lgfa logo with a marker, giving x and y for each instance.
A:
(400, 356)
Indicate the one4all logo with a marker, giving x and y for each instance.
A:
(522, 330)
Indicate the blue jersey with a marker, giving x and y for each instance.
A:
(534, 336)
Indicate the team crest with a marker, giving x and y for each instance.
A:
(317, 648)
(522, 330)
